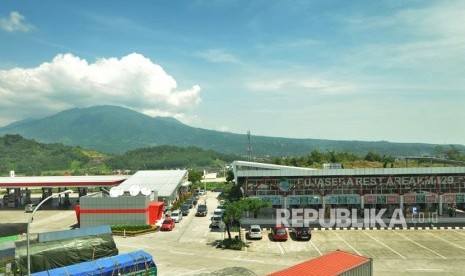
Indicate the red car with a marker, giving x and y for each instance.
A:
(279, 233)
(168, 224)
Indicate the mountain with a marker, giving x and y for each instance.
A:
(114, 129)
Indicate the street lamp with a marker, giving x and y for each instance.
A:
(29, 222)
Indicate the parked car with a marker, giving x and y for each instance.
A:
(303, 233)
(279, 233)
(255, 232)
(195, 200)
(218, 212)
(216, 220)
(176, 215)
(29, 208)
(185, 209)
(189, 202)
(202, 192)
(168, 224)
(201, 210)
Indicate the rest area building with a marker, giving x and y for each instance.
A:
(432, 188)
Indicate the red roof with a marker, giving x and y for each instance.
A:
(330, 264)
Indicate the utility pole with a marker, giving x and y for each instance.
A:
(249, 147)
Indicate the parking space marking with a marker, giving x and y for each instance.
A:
(458, 232)
(447, 241)
(383, 244)
(420, 245)
(192, 272)
(425, 269)
(182, 253)
(239, 258)
(280, 247)
(319, 252)
(346, 243)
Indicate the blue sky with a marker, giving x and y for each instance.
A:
(341, 70)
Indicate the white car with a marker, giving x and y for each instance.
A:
(29, 208)
(255, 232)
(176, 215)
(216, 221)
(218, 212)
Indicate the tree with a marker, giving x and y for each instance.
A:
(255, 205)
(235, 193)
(194, 176)
(229, 175)
(233, 213)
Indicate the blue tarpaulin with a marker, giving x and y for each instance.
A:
(116, 265)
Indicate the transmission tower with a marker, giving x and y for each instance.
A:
(249, 147)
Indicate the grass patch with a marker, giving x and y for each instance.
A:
(132, 230)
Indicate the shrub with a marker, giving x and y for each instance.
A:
(235, 244)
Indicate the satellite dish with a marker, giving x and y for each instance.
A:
(134, 190)
(114, 192)
(145, 191)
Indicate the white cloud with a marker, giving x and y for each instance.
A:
(223, 128)
(413, 37)
(14, 23)
(293, 85)
(67, 81)
(218, 56)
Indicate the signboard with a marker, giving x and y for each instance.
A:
(370, 199)
(342, 199)
(331, 199)
(460, 198)
(411, 198)
(420, 198)
(275, 200)
(293, 200)
(431, 198)
(313, 200)
(355, 199)
(392, 199)
(284, 185)
(381, 199)
(449, 198)
(303, 200)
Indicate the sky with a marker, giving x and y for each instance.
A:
(389, 70)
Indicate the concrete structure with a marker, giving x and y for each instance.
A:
(133, 206)
(284, 186)
(101, 209)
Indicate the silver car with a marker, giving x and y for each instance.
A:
(255, 232)
(216, 220)
(29, 208)
(176, 215)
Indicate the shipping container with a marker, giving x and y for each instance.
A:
(337, 263)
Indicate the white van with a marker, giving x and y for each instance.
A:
(218, 212)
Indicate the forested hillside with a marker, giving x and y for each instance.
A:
(116, 130)
(170, 157)
(28, 157)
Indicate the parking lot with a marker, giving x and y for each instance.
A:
(190, 248)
